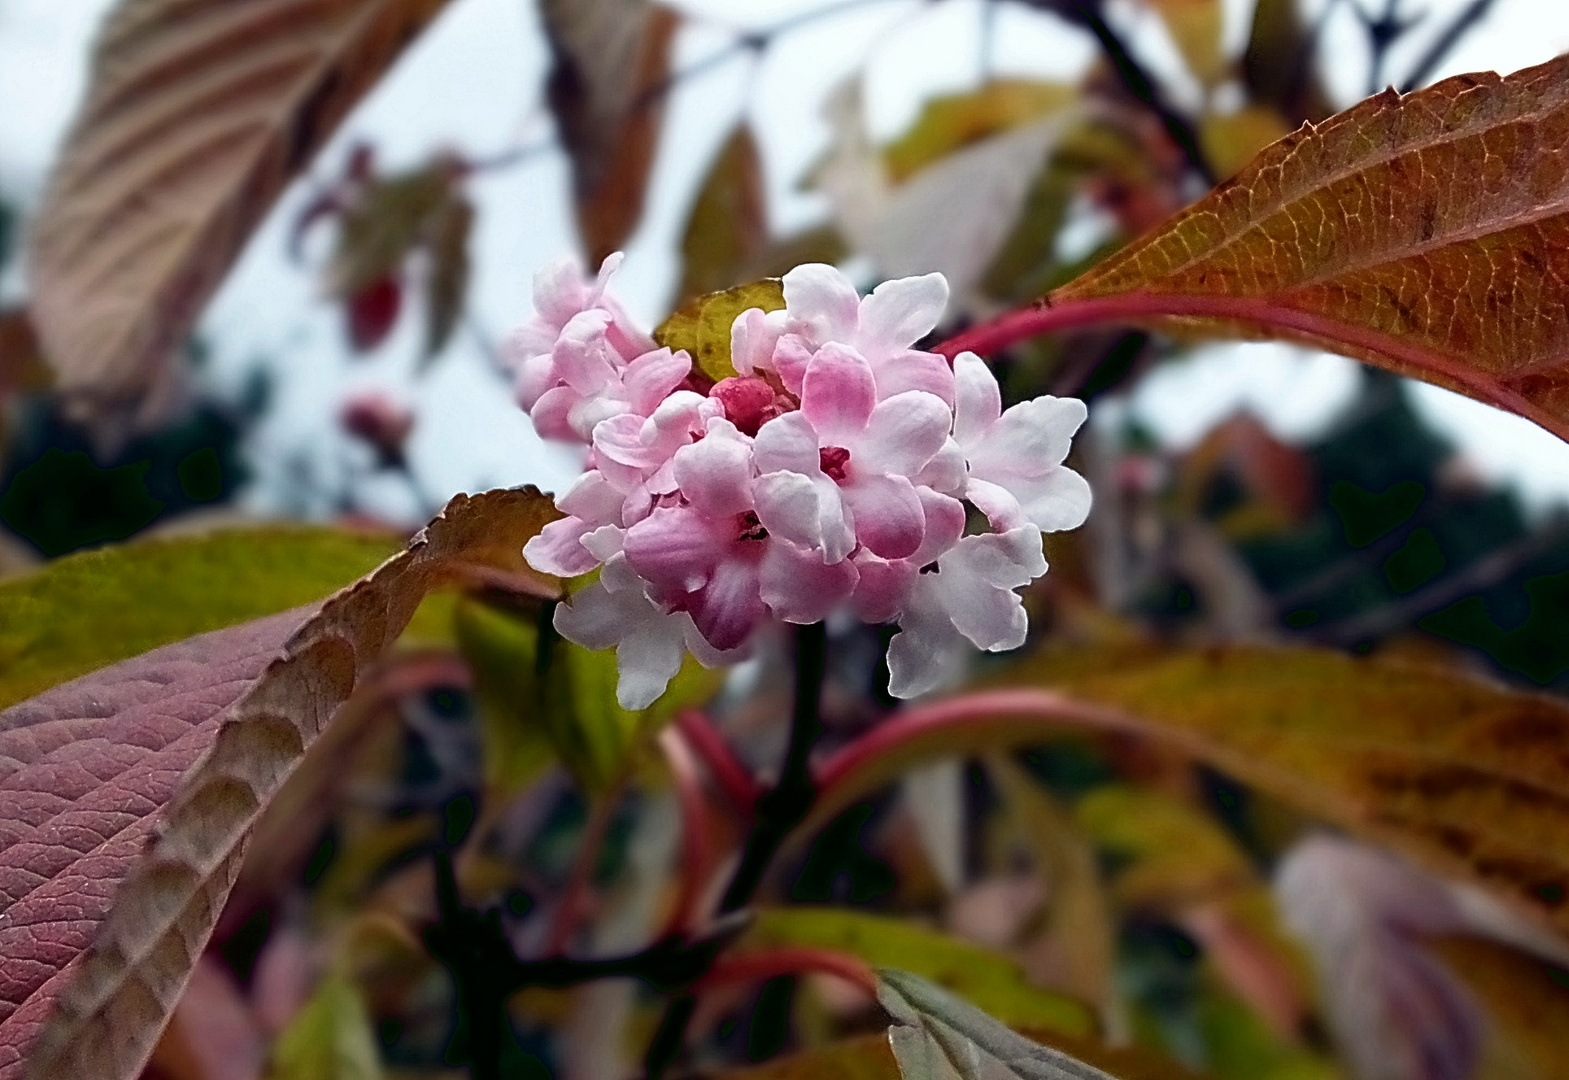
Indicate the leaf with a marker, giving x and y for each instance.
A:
(1526, 1001)
(446, 287)
(728, 227)
(331, 1038)
(936, 1036)
(1195, 27)
(84, 611)
(991, 979)
(1426, 233)
(1229, 142)
(607, 91)
(701, 326)
(566, 708)
(102, 766)
(384, 221)
(870, 1057)
(951, 122)
(198, 113)
(1172, 854)
(1079, 919)
(1279, 66)
(1466, 777)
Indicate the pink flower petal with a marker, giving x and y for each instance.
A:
(799, 507)
(716, 474)
(945, 520)
(887, 514)
(674, 549)
(977, 398)
(998, 503)
(790, 359)
(881, 586)
(729, 607)
(799, 586)
(651, 377)
(822, 304)
(899, 313)
(581, 355)
(914, 371)
(592, 498)
(552, 414)
(902, 434)
(838, 394)
(620, 439)
(559, 550)
(559, 291)
(787, 443)
(753, 336)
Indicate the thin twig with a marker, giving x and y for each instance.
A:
(601, 812)
(1436, 53)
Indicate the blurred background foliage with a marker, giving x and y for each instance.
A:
(1108, 893)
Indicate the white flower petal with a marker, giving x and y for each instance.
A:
(1028, 439)
(899, 313)
(715, 474)
(799, 587)
(977, 398)
(902, 434)
(786, 443)
(822, 304)
(1054, 502)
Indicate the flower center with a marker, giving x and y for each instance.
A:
(833, 459)
(749, 528)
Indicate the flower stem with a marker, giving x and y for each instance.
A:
(778, 812)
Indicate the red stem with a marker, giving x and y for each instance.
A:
(771, 963)
(960, 711)
(1044, 317)
(574, 898)
(696, 838)
(732, 777)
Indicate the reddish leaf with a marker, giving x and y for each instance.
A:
(95, 763)
(86, 767)
(1428, 234)
(612, 61)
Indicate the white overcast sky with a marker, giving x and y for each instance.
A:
(473, 82)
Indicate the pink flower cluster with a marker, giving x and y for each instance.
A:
(832, 470)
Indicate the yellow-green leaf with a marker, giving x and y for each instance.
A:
(702, 325)
(992, 980)
(330, 1039)
(1196, 26)
(1230, 141)
(88, 610)
(566, 707)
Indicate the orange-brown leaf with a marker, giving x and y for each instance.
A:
(1426, 233)
(1469, 778)
(199, 112)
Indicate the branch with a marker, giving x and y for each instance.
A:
(1440, 49)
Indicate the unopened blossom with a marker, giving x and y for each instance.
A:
(832, 469)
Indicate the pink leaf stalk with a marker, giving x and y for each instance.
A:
(834, 470)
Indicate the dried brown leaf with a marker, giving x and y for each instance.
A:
(96, 763)
(198, 114)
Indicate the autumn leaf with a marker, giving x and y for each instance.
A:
(1426, 233)
(606, 89)
(727, 229)
(1466, 777)
(198, 114)
(113, 807)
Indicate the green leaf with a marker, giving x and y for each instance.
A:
(86, 611)
(447, 237)
(567, 705)
(702, 326)
(936, 1036)
(992, 979)
(330, 1039)
(728, 226)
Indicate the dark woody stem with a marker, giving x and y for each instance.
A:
(778, 812)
